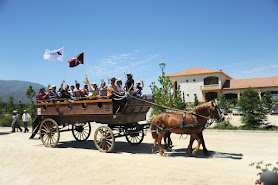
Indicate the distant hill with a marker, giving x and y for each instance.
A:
(17, 89)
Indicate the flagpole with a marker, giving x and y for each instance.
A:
(85, 63)
(64, 65)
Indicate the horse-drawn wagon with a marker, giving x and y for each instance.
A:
(119, 114)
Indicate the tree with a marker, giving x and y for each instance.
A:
(223, 102)
(30, 93)
(19, 107)
(164, 95)
(253, 113)
(196, 102)
(10, 105)
(267, 100)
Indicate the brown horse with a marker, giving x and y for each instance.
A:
(184, 123)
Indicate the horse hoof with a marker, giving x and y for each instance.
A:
(191, 155)
(194, 153)
(168, 149)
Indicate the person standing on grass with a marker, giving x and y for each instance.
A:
(25, 118)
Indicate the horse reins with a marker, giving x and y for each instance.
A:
(165, 107)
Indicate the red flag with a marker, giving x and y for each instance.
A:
(75, 61)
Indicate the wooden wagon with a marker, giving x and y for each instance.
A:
(121, 116)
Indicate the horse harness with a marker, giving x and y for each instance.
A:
(183, 126)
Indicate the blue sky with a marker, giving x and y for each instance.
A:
(240, 37)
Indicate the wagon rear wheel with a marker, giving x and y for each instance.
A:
(49, 132)
(81, 131)
(134, 136)
(104, 139)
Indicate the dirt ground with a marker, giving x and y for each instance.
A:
(25, 161)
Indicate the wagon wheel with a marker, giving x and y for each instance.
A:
(81, 131)
(134, 136)
(104, 139)
(49, 132)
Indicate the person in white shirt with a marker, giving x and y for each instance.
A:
(119, 86)
(25, 118)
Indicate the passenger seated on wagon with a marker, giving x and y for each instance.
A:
(53, 94)
(85, 90)
(112, 88)
(102, 90)
(92, 87)
(42, 95)
(71, 91)
(138, 90)
(64, 93)
(77, 91)
(119, 86)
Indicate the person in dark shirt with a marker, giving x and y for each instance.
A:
(129, 84)
(64, 93)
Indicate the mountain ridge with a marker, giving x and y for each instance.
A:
(17, 89)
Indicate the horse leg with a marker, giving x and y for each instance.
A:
(195, 136)
(206, 152)
(190, 146)
(160, 136)
(154, 145)
(167, 142)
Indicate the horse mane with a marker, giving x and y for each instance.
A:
(202, 108)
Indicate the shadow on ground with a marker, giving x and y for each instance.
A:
(4, 133)
(213, 154)
(145, 148)
(120, 146)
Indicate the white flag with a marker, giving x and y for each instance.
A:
(54, 55)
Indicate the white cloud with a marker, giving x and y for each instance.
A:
(138, 64)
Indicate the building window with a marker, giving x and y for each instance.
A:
(186, 80)
(275, 96)
(211, 80)
(187, 94)
(193, 80)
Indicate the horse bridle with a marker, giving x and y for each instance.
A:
(213, 111)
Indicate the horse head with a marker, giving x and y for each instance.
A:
(210, 109)
(215, 112)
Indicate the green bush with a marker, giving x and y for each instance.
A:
(6, 120)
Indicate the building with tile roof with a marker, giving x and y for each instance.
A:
(208, 84)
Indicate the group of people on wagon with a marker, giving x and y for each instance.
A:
(71, 93)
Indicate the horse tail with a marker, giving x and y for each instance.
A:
(153, 127)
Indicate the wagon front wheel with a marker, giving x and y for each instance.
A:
(134, 136)
(81, 131)
(104, 139)
(49, 132)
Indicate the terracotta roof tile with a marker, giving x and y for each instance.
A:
(194, 71)
(253, 82)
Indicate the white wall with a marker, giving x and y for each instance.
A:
(193, 87)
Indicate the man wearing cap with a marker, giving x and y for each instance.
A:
(112, 88)
(53, 94)
(25, 118)
(92, 87)
(138, 90)
(129, 84)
